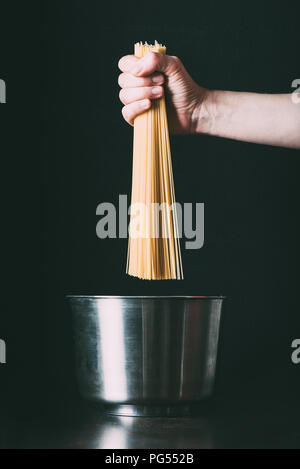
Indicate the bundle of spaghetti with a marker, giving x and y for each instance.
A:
(153, 246)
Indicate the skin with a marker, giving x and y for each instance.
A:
(272, 119)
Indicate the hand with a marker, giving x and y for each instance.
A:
(142, 80)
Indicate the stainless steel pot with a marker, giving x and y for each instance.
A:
(146, 355)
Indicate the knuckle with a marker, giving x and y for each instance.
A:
(125, 63)
(122, 95)
(121, 79)
(125, 113)
(176, 60)
(120, 63)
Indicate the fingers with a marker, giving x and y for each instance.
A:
(141, 81)
(132, 110)
(129, 95)
(151, 62)
(126, 80)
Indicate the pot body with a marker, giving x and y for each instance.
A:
(146, 350)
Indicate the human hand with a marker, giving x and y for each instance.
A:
(142, 80)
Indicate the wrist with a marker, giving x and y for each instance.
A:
(203, 113)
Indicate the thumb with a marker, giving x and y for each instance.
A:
(150, 63)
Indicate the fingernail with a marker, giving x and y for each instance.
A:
(145, 104)
(157, 79)
(156, 90)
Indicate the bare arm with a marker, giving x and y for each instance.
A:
(250, 117)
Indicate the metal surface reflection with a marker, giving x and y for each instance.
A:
(146, 351)
(136, 432)
(112, 437)
(111, 352)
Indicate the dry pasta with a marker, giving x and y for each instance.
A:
(153, 246)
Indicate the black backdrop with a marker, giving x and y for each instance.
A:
(65, 149)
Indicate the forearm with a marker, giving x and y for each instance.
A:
(251, 117)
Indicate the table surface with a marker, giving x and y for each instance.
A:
(225, 423)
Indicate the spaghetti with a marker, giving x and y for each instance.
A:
(153, 246)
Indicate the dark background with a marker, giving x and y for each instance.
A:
(65, 149)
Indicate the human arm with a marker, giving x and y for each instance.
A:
(252, 117)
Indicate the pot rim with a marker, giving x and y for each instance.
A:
(163, 297)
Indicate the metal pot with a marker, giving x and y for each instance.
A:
(146, 355)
